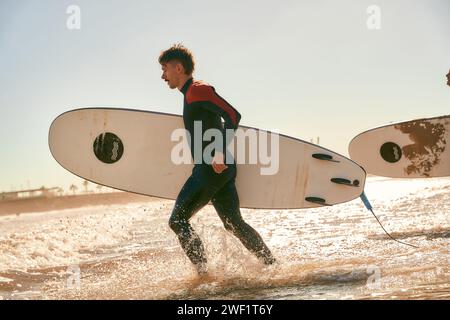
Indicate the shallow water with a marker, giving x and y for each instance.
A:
(339, 252)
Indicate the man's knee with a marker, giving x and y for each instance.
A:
(176, 224)
(228, 225)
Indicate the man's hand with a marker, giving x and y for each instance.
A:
(218, 162)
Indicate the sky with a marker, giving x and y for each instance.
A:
(305, 68)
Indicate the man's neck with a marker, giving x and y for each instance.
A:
(183, 82)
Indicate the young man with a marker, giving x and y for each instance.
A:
(213, 181)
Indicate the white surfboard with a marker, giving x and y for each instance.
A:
(412, 149)
(131, 150)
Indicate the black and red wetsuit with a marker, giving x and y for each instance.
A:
(202, 103)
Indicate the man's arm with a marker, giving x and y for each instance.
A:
(204, 96)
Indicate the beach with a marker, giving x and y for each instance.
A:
(43, 204)
(126, 250)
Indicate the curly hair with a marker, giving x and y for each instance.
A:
(181, 54)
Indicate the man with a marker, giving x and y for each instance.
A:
(213, 181)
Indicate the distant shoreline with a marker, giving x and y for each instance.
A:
(28, 205)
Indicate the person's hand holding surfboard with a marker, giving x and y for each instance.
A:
(218, 163)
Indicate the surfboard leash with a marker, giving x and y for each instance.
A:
(370, 208)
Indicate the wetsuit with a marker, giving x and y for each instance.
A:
(202, 103)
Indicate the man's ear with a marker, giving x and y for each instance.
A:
(179, 67)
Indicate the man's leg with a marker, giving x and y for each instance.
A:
(226, 203)
(194, 195)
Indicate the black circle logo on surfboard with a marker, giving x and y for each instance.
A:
(108, 147)
(391, 152)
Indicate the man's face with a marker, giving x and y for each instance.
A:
(171, 74)
(448, 78)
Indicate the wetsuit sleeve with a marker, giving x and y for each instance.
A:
(228, 123)
(205, 97)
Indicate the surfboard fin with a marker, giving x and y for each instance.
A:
(323, 156)
(345, 182)
(317, 200)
